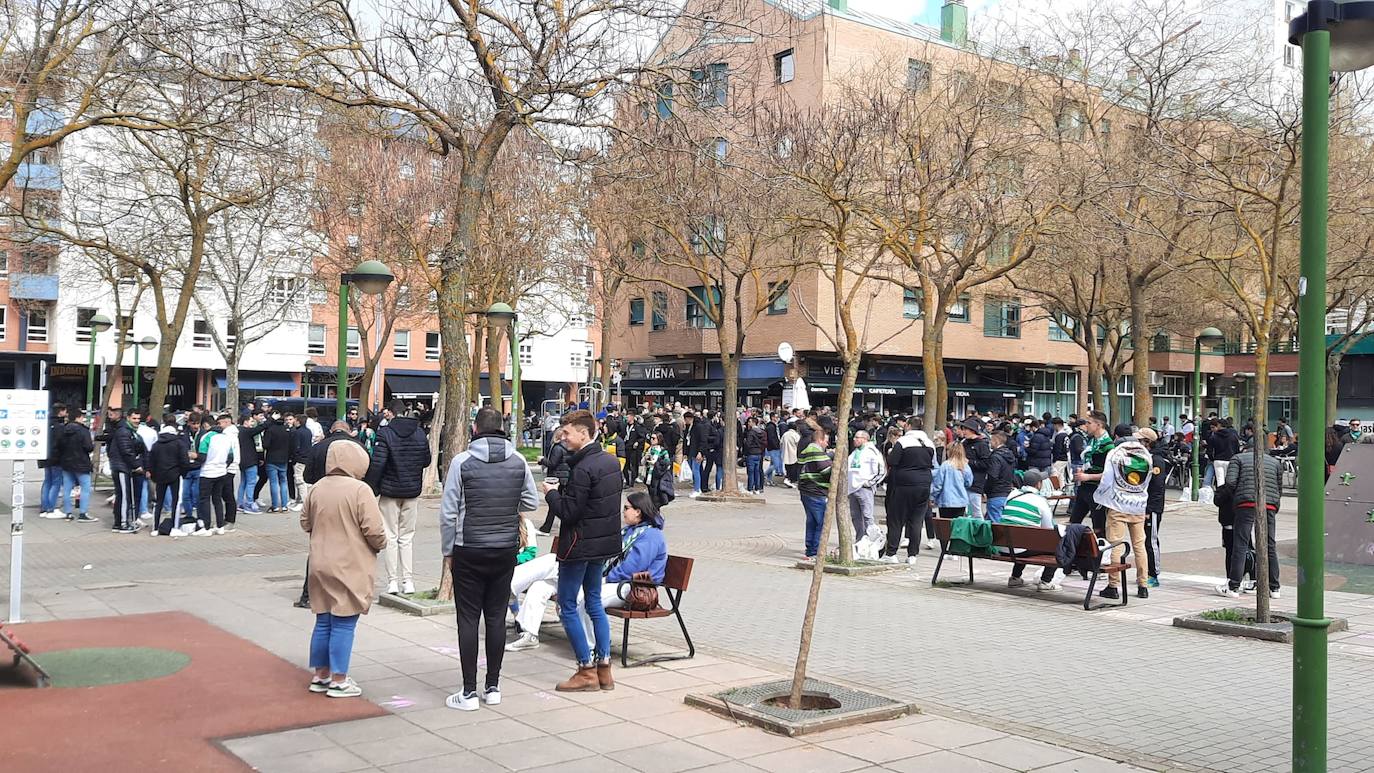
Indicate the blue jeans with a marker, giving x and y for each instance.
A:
(247, 484)
(995, 505)
(753, 463)
(331, 644)
(190, 493)
(276, 481)
(815, 519)
(1207, 474)
(695, 464)
(70, 479)
(775, 463)
(584, 576)
(52, 488)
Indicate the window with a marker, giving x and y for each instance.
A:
(436, 217)
(777, 297)
(83, 325)
(526, 355)
(436, 168)
(231, 334)
(400, 344)
(577, 320)
(4, 263)
(958, 311)
(785, 66)
(660, 310)
(708, 236)
(431, 346)
(1125, 385)
(315, 340)
(712, 84)
(699, 306)
(1002, 318)
(636, 311)
(719, 149)
(354, 346)
(283, 290)
(402, 298)
(960, 84)
(406, 171)
(200, 335)
(318, 294)
(911, 303)
(999, 252)
(664, 105)
(575, 359)
(124, 327)
(1104, 128)
(4, 315)
(38, 326)
(1062, 327)
(917, 75)
(1071, 120)
(1292, 10)
(1009, 98)
(1290, 56)
(355, 248)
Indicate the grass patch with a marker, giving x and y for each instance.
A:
(1227, 616)
(531, 454)
(424, 595)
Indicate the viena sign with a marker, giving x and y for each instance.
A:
(661, 371)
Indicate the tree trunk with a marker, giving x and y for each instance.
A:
(479, 333)
(1262, 557)
(838, 472)
(231, 383)
(1140, 355)
(933, 368)
(434, 474)
(1108, 389)
(1094, 375)
(1333, 378)
(612, 289)
(729, 367)
(171, 329)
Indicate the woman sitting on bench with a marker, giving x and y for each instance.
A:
(642, 549)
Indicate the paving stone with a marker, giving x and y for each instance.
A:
(878, 747)
(444, 717)
(373, 729)
(534, 753)
(945, 762)
(687, 723)
(807, 759)
(640, 707)
(387, 751)
(455, 762)
(615, 737)
(484, 734)
(331, 760)
(667, 757)
(1018, 753)
(744, 742)
(568, 720)
(584, 765)
(945, 733)
(1089, 765)
(262, 747)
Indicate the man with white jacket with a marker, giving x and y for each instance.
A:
(218, 449)
(866, 470)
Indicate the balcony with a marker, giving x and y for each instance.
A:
(33, 287)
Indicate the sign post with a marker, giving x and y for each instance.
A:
(23, 436)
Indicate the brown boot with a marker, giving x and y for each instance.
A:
(583, 681)
(603, 675)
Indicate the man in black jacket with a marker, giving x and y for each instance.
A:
(126, 454)
(52, 470)
(979, 454)
(314, 464)
(74, 447)
(589, 535)
(1001, 475)
(633, 447)
(277, 446)
(774, 431)
(247, 495)
(399, 460)
(696, 436)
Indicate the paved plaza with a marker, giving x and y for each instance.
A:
(1006, 680)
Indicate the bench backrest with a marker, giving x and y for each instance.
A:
(678, 573)
(1056, 483)
(1022, 537)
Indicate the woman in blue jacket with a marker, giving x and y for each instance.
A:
(949, 488)
(642, 548)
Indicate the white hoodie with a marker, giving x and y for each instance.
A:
(218, 450)
(866, 466)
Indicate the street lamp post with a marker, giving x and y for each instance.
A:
(1211, 336)
(305, 386)
(99, 324)
(150, 344)
(500, 316)
(371, 277)
(1333, 36)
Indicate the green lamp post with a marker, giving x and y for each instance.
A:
(150, 344)
(371, 277)
(1211, 337)
(501, 316)
(99, 324)
(1333, 36)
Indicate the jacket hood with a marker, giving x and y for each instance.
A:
(404, 426)
(168, 431)
(490, 448)
(916, 437)
(346, 459)
(167, 437)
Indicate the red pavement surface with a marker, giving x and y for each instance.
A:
(231, 688)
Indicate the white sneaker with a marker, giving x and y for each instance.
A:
(1273, 594)
(911, 560)
(219, 530)
(348, 689)
(1051, 585)
(1015, 582)
(202, 532)
(154, 533)
(1225, 590)
(146, 517)
(510, 618)
(392, 588)
(407, 587)
(695, 494)
(527, 641)
(463, 701)
(889, 559)
(1247, 586)
(932, 544)
(50, 515)
(492, 696)
(296, 508)
(188, 529)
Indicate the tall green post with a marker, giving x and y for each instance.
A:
(90, 376)
(517, 419)
(1310, 626)
(137, 380)
(1197, 410)
(341, 406)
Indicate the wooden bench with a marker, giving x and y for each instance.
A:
(1037, 548)
(675, 579)
(1057, 498)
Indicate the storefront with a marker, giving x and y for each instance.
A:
(418, 389)
(253, 386)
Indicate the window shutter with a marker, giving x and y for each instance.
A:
(992, 318)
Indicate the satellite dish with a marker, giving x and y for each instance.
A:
(785, 351)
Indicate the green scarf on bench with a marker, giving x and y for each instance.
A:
(970, 537)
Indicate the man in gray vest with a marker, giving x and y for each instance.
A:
(486, 489)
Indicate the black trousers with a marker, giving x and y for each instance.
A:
(211, 497)
(708, 468)
(231, 501)
(632, 460)
(1243, 541)
(906, 508)
(162, 489)
(128, 487)
(1152, 521)
(1046, 576)
(262, 480)
(481, 590)
(1085, 507)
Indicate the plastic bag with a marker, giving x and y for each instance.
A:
(684, 473)
(1205, 496)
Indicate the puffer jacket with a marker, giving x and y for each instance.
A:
(74, 447)
(755, 441)
(399, 459)
(589, 506)
(979, 452)
(1240, 476)
(319, 454)
(1001, 472)
(486, 489)
(1040, 451)
(125, 450)
(277, 444)
(168, 456)
(55, 427)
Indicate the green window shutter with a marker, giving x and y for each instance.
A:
(992, 318)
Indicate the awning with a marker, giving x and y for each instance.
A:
(267, 382)
(700, 387)
(408, 386)
(865, 388)
(648, 387)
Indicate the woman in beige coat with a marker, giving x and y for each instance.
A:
(346, 533)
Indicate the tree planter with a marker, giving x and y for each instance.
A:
(856, 569)
(418, 604)
(824, 706)
(1280, 630)
(738, 499)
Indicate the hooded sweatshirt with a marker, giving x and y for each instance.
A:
(168, 455)
(486, 489)
(345, 527)
(216, 449)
